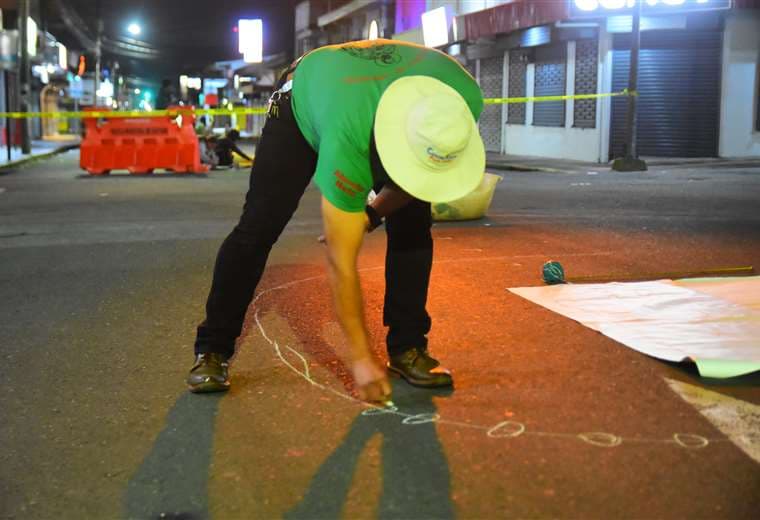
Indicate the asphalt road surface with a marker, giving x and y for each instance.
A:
(102, 281)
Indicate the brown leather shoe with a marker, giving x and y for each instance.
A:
(430, 362)
(419, 369)
(210, 373)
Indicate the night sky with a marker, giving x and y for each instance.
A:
(190, 34)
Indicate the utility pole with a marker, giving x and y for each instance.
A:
(8, 44)
(24, 73)
(631, 162)
(98, 50)
(115, 80)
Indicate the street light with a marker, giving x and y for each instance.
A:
(134, 29)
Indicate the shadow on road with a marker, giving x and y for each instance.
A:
(415, 471)
(172, 481)
(687, 372)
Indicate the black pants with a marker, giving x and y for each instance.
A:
(281, 172)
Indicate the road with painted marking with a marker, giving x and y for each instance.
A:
(103, 281)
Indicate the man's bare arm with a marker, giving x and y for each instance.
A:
(344, 232)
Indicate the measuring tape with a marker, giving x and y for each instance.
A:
(263, 110)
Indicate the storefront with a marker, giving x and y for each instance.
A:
(698, 67)
(679, 83)
(740, 91)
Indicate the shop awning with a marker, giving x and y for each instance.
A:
(517, 14)
(343, 11)
(521, 14)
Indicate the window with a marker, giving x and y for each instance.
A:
(518, 76)
(586, 64)
(551, 64)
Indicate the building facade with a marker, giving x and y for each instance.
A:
(698, 76)
(698, 73)
(48, 62)
(324, 22)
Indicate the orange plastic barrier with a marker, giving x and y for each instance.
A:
(141, 145)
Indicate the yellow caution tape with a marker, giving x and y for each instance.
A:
(136, 113)
(539, 99)
(263, 110)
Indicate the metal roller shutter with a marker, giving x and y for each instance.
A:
(679, 87)
(517, 85)
(551, 67)
(586, 79)
(491, 83)
(472, 68)
(757, 102)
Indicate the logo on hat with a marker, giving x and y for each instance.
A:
(435, 157)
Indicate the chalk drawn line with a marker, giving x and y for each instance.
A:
(503, 429)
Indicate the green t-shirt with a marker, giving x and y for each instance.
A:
(336, 90)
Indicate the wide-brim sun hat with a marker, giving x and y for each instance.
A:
(428, 140)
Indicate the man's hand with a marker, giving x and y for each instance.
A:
(390, 199)
(371, 382)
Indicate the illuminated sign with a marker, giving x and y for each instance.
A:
(650, 7)
(31, 36)
(186, 82)
(8, 50)
(41, 72)
(63, 61)
(373, 30)
(105, 89)
(251, 44)
(435, 27)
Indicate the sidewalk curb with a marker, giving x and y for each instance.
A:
(38, 157)
(654, 166)
(520, 168)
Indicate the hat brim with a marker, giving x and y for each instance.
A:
(400, 161)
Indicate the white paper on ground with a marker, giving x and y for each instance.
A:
(713, 322)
